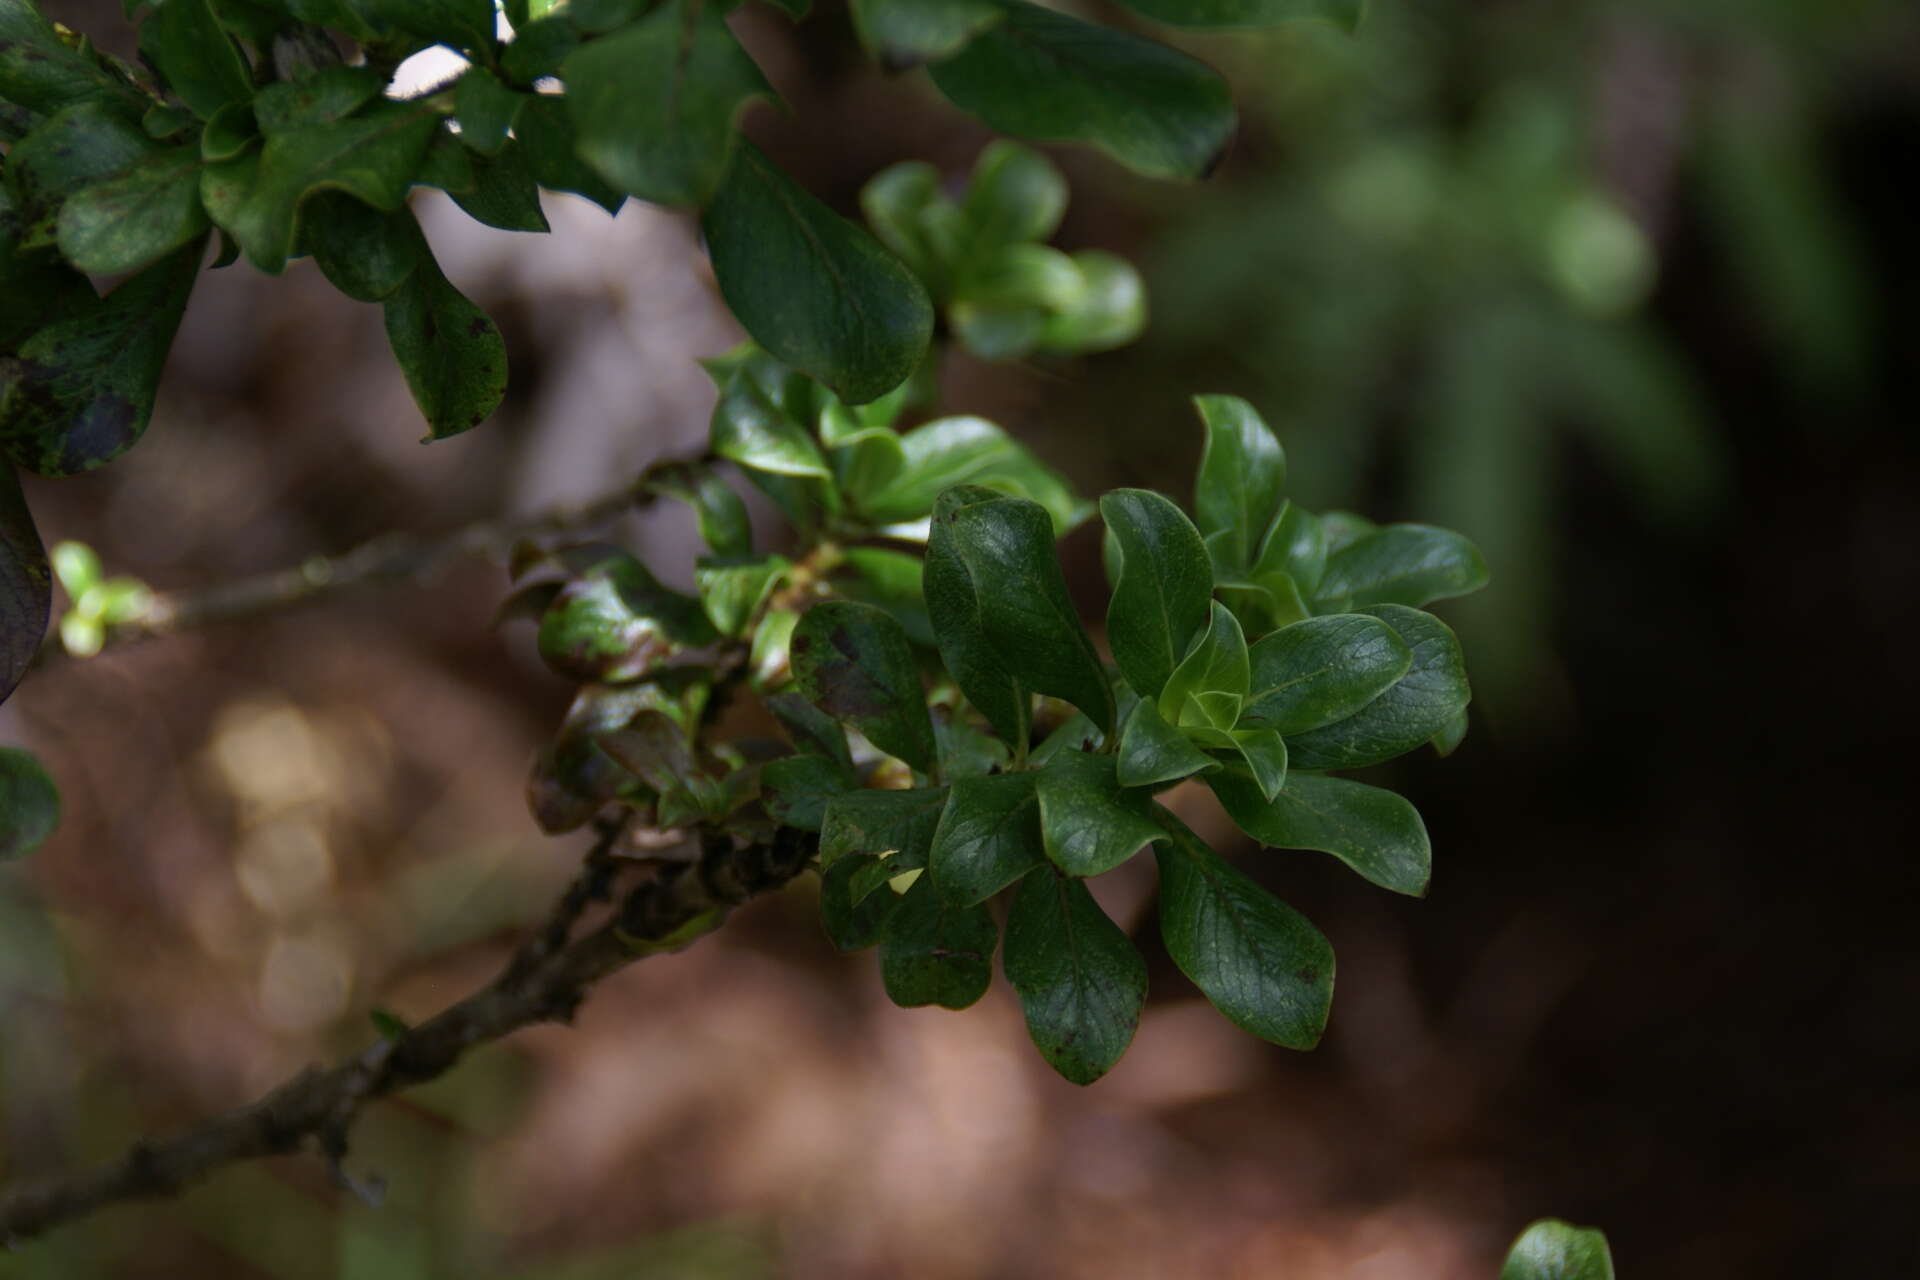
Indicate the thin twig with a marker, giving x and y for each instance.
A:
(677, 905)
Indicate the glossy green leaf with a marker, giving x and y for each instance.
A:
(1554, 1250)
(1154, 752)
(1081, 981)
(1320, 670)
(485, 109)
(853, 925)
(1162, 586)
(1343, 528)
(458, 24)
(654, 104)
(750, 429)
(76, 148)
(504, 194)
(450, 351)
(1264, 753)
(989, 836)
(26, 584)
(1210, 685)
(613, 622)
(896, 825)
(797, 789)
(1089, 823)
(363, 252)
(139, 215)
(29, 804)
(1213, 14)
(1420, 704)
(933, 951)
(855, 663)
(722, 515)
(545, 128)
(972, 451)
(733, 588)
(906, 33)
(1043, 75)
(43, 73)
(1375, 831)
(80, 391)
(1243, 473)
(954, 605)
(811, 287)
(1404, 564)
(1295, 546)
(1259, 961)
(199, 61)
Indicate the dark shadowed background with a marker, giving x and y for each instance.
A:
(1620, 288)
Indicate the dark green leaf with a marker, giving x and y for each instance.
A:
(231, 131)
(613, 622)
(1088, 822)
(458, 24)
(971, 451)
(1080, 979)
(196, 57)
(1162, 587)
(364, 253)
(896, 825)
(504, 194)
(721, 513)
(796, 789)
(1043, 75)
(1374, 831)
(546, 130)
(447, 165)
(853, 925)
(452, 354)
(1247, 13)
(864, 456)
(79, 392)
(1405, 564)
(812, 731)
(966, 751)
(653, 747)
(1554, 1250)
(1007, 546)
(1320, 670)
(989, 836)
(1422, 703)
(1264, 752)
(1243, 472)
(1210, 685)
(142, 214)
(906, 33)
(1448, 739)
(934, 952)
(538, 48)
(485, 109)
(76, 148)
(1258, 960)
(1153, 751)
(953, 605)
(41, 72)
(855, 663)
(891, 581)
(732, 588)
(795, 9)
(26, 584)
(36, 289)
(29, 804)
(812, 288)
(654, 104)
(325, 96)
(751, 429)
(1295, 546)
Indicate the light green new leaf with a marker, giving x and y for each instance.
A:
(137, 216)
(29, 804)
(654, 104)
(1264, 752)
(811, 287)
(1153, 751)
(195, 55)
(1423, 702)
(751, 429)
(1043, 75)
(1081, 981)
(896, 825)
(1259, 961)
(26, 584)
(989, 836)
(1217, 14)
(1243, 473)
(1406, 564)
(906, 33)
(1089, 823)
(732, 588)
(935, 952)
(1554, 1250)
(1111, 311)
(1162, 586)
(451, 353)
(1375, 831)
(1210, 685)
(1320, 670)
(855, 663)
(954, 607)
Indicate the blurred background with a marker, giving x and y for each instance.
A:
(1620, 288)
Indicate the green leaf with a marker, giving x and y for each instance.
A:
(363, 252)
(1259, 961)
(232, 130)
(1404, 564)
(1080, 979)
(1247, 13)
(76, 148)
(864, 458)
(853, 925)
(751, 429)
(972, 451)
(934, 952)
(1448, 740)
(43, 73)
(79, 392)
(504, 194)
(906, 33)
(797, 789)
(897, 825)
(1016, 194)
(1554, 1250)
(732, 588)
(811, 287)
(1264, 752)
(196, 57)
(372, 156)
(954, 605)
(1162, 586)
(1295, 547)
(322, 97)
(545, 129)
(26, 585)
(1243, 473)
(989, 836)
(653, 747)
(811, 730)
(722, 515)
(29, 804)
(1320, 670)
(1007, 545)
(613, 622)
(458, 24)
(1088, 822)
(1422, 703)
(1111, 311)
(485, 109)
(654, 104)
(447, 165)
(1210, 685)
(1043, 75)
(855, 663)
(890, 580)
(142, 214)
(451, 353)
(1375, 831)
(899, 203)
(1154, 752)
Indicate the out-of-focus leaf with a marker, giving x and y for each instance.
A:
(546, 130)
(906, 33)
(1162, 586)
(504, 194)
(890, 580)
(653, 748)
(855, 663)
(1080, 979)
(41, 72)
(732, 588)
(485, 109)
(1015, 194)
(1247, 13)
(450, 351)
(721, 513)
(143, 213)
(1420, 704)
(1554, 1250)
(458, 24)
(1375, 831)
(935, 952)
(197, 58)
(26, 584)
(953, 604)
(1089, 823)
(1111, 310)
(989, 836)
(1320, 670)
(29, 804)
(751, 429)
